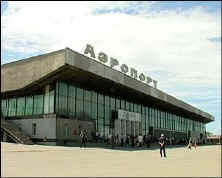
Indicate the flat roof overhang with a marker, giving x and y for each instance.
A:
(97, 83)
(94, 75)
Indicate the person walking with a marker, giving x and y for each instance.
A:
(127, 141)
(132, 141)
(113, 141)
(195, 145)
(121, 140)
(190, 144)
(83, 136)
(109, 138)
(148, 140)
(140, 139)
(162, 142)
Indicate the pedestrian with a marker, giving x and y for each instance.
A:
(109, 138)
(137, 141)
(132, 141)
(140, 139)
(127, 141)
(148, 140)
(45, 139)
(190, 144)
(113, 141)
(117, 139)
(162, 142)
(144, 139)
(121, 140)
(195, 145)
(83, 136)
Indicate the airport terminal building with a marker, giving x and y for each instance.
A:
(56, 95)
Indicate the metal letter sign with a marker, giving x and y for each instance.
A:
(114, 62)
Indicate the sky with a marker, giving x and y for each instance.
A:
(176, 43)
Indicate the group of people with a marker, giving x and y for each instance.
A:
(138, 141)
(191, 143)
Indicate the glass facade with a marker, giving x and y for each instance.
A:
(35, 104)
(74, 102)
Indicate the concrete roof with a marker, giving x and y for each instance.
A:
(66, 63)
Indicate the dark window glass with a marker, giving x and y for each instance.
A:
(29, 105)
(38, 104)
(72, 100)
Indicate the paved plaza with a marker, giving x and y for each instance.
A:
(41, 161)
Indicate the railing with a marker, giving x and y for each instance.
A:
(14, 132)
(13, 136)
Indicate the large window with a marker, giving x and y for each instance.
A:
(101, 112)
(79, 103)
(143, 121)
(29, 105)
(12, 107)
(38, 104)
(72, 100)
(94, 105)
(107, 110)
(5, 107)
(20, 106)
(122, 104)
(131, 107)
(88, 103)
(63, 98)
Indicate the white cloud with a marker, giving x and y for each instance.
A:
(176, 42)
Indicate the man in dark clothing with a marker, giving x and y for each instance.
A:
(148, 140)
(113, 141)
(162, 142)
(83, 136)
(132, 141)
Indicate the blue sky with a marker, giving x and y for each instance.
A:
(172, 42)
